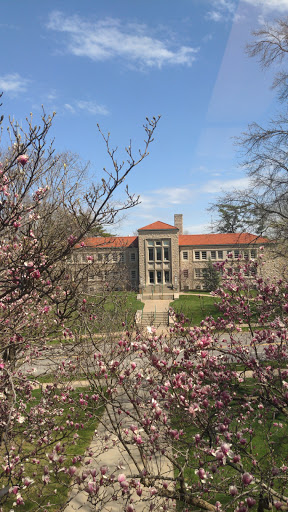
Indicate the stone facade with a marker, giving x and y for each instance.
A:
(161, 258)
(158, 256)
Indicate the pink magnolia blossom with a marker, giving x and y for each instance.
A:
(23, 159)
(247, 478)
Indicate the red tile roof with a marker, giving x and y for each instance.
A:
(110, 241)
(156, 226)
(222, 239)
(184, 240)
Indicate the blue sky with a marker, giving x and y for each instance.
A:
(116, 62)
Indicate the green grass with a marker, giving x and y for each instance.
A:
(46, 494)
(108, 312)
(196, 307)
(258, 444)
(119, 307)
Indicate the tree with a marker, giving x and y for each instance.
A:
(229, 220)
(201, 422)
(39, 300)
(211, 276)
(264, 148)
(234, 217)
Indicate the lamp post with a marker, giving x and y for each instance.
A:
(176, 282)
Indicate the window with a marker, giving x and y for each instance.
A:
(151, 254)
(121, 259)
(106, 256)
(100, 257)
(198, 272)
(150, 242)
(236, 253)
(246, 255)
(158, 253)
(253, 253)
(151, 277)
(185, 255)
(157, 242)
(213, 255)
(220, 255)
(159, 276)
(114, 256)
(185, 273)
(133, 274)
(166, 254)
(132, 256)
(167, 276)
(200, 255)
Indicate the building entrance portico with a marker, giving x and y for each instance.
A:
(159, 267)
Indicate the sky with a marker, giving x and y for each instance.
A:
(114, 63)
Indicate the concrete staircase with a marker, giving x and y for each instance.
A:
(157, 319)
(158, 296)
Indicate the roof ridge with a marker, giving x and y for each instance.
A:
(157, 225)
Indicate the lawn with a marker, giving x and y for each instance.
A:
(57, 490)
(196, 307)
(117, 308)
(258, 446)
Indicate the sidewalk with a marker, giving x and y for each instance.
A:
(117, 459)
(156, 306)
(108, 451)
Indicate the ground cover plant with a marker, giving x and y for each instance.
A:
(117, 308)
(195, 307)
(50, 465)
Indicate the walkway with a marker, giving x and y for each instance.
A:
(156, 306)
(108, 451)
(118, 460)
(115, 457)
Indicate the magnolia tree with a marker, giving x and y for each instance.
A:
(40, 195)
(199, 418)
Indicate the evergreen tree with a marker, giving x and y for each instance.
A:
(211, 277)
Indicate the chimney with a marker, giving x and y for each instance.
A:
(178, 222)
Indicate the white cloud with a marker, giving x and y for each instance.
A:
(216, 186)
(87, 106)
(107, 39)
(13, 83)
(174, 195)
(69, 107)
(270, 5)
(225, 10)
(197, 229)
(214, 16)
(92, 107)
(51, 96)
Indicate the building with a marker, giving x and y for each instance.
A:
(161, 257)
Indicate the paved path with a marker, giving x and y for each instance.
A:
(118, 460)
(158, 306)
